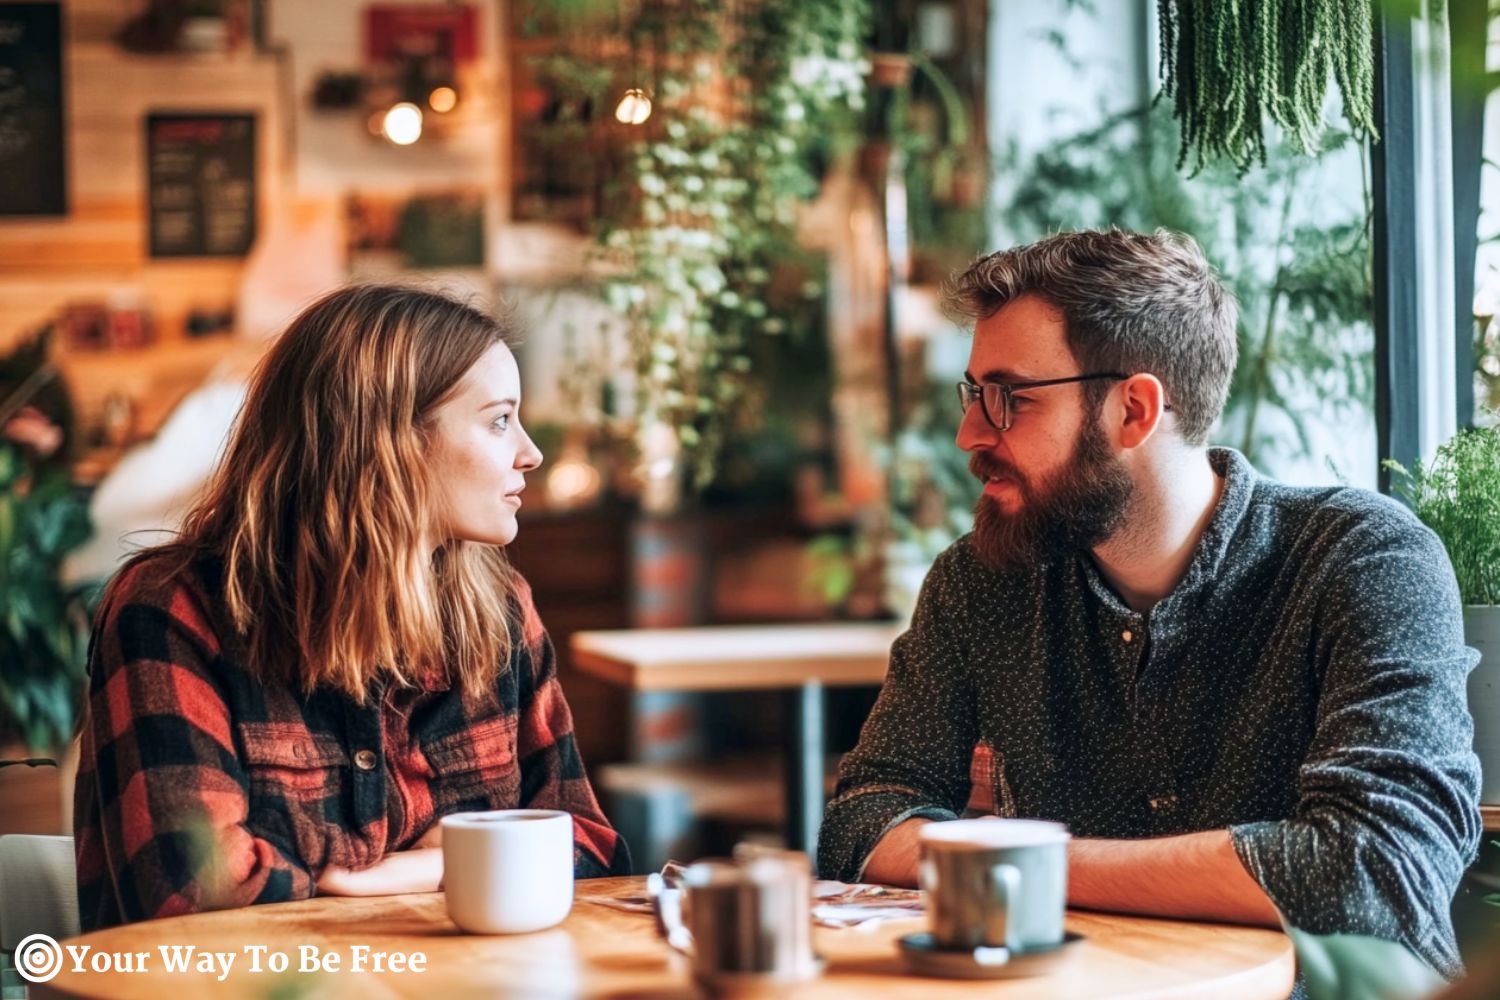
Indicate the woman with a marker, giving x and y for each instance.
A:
(333, 653)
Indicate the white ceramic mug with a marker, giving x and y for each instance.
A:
(508, 871)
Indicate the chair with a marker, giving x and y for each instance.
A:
(38, 895)
(1359, 967)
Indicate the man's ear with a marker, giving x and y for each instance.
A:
(1144, 399)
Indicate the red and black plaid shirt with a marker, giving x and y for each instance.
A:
(202, 788)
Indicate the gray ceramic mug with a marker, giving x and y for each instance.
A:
(996, 883)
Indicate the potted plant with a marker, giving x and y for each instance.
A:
(931, 504)
(44, 627)
(932, 495)
(1457, 495)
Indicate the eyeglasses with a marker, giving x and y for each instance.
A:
(995, 397)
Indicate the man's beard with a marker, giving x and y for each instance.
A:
(1081, 507)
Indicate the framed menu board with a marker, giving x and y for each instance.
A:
(200, 171)
(32, 161)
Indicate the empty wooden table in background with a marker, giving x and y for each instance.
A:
(603, 952)
(797, 659)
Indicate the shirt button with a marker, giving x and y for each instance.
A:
(1163, 803)
(365, 760)
(1127, 635)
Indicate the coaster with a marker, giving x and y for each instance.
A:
(926, 958)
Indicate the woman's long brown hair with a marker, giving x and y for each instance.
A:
(321, 511)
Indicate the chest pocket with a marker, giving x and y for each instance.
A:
(475, 768)
(298, 789)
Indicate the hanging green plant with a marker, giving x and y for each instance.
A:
(1227, 65)
(715, 118)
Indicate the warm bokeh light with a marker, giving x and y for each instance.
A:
(443, 99)
(635, 107)
(403, 124)
(572, 482)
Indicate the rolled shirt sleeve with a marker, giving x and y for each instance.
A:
(1387, 816)
(913, 755)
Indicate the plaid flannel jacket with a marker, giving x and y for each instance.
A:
(202, 788)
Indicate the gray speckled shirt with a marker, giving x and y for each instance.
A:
(1303, 685)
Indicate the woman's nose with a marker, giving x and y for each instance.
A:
(530, 456)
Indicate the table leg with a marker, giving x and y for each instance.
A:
(803, 728)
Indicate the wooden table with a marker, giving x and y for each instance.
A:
(602, 952)
(797, 659)
(1490, 816)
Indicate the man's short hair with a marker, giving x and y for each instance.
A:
(1131, 302)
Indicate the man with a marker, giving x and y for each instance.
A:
(1243, 698)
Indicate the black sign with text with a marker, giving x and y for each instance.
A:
(33, 178)
(201, 184)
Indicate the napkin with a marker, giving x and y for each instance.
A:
(835, 904)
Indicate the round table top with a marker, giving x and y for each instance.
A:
(600, 951)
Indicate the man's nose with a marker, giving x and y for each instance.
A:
(975, 432)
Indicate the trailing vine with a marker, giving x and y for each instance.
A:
(698, 220)
(1227, 64)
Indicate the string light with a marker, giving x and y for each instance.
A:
(442, 99)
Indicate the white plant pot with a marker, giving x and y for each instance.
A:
(204, 36)
(905, 569)
(1482, 631)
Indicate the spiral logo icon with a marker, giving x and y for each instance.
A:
(38, 958)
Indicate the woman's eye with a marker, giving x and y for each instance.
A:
(502, 423)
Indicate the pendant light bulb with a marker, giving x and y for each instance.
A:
(634, 107)
(403, 124)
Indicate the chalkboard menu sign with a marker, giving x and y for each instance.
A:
(201, 184)
(32, 177)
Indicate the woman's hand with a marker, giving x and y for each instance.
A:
(419, 869)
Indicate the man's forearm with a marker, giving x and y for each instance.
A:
(894, 859)
(1195, 875)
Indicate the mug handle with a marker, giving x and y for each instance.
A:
(666, 903)
(1008, 881)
